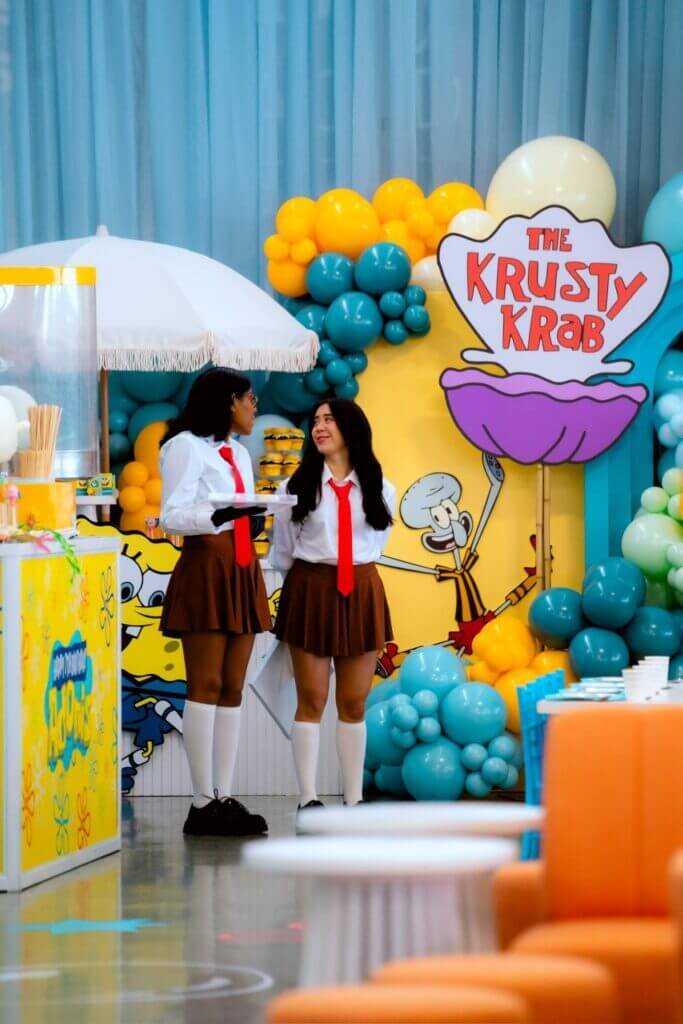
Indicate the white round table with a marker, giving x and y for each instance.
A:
(370, 900)
(423, 819)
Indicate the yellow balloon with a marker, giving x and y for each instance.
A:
(554, 171)
(288, 278)
(505, 643)
(480, 672)
(133, 474)
(134, 522)
(295, 219)
(132, 499)
(146, 448)
(432, 241)
(345, 222)
(152, 491)
(419, 220)
(449, 199)
(391, 198)
(506, 685)
(305, 251)
(397, 231)
(551, 661)
(275, 248)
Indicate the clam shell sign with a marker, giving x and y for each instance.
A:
(552, 298)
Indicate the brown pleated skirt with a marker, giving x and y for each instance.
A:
(210, 593)
(314, 616)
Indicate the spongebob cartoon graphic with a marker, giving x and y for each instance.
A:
(152, 667)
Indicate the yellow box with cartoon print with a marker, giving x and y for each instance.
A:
(60, 707)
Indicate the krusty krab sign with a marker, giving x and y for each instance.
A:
(551, 298)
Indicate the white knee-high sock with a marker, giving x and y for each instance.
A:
(198, 723)
(351, 737)
(305, 746)
(226, 738)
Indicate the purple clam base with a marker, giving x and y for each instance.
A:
(529, 419)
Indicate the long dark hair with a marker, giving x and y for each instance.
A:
(355, 429)
(207, 410)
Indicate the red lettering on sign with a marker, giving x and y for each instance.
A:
(548, 289)
(534, 235)
(570, 331)
(592, 333)
(475, 268)
(625, 293)
(582, 291)
(543, 321)
(564, 240)
(510, 275)
(510, 332)
(602, 273)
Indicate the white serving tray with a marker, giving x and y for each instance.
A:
(262, 500)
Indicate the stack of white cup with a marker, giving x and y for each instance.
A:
(645, 680)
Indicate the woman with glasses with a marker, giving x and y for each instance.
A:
(216, 599)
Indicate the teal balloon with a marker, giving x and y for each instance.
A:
(155, 412)
(669, 375)
(381, 268)
(353, 321)
(504, 746)
(119, 401)
(119, 446)
(598, 652)
(313, 317)
(664, 216)
(293, 306)
(329, 276)
(473, 713)
(678, 616)
(555, 616)
(392, 305)
(390, 780)
(398, 699)
(432, 771)
(405, 716)
(494, 771)
(405, 738)
(358, 361)
(395, 332)
(676, 667)
(428, 729)
(181, 396)
(380, 747)
(118, 420)
(512, 777)
(414, 295)
(367, 780)
(476, 787)
(666, 462)
(612, 590)
(153, 385)
(473, 756)
(383, 691)
(431, 668)
(327, 353)
(426, 702)
(653, 631)
(416, 319)
(338, 371)
(349, 389)
(290, 392)
(317, 382)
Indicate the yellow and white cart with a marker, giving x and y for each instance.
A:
(59, 707)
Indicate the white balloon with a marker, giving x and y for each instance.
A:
(254, 442)
(473, 223)
(427, 275)
(8, 430)
(21, 403)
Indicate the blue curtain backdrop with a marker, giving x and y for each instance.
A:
(190, 121)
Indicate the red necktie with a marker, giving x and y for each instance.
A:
(345, 576)
(242, 530)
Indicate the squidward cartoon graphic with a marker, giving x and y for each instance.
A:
(433, 504)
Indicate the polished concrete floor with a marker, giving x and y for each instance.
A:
(170, 930)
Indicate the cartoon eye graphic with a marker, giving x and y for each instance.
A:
(131, 578)
(451, 508)
(153, 589)
(441, 516)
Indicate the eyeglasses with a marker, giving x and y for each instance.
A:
(252, 397)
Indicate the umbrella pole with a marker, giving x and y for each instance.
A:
(104, 431)
(540, 540)
(547, 556)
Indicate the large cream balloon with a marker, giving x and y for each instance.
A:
(427, 275)
(473, 224)
(554, 171)
(8, 430)
(21, 402)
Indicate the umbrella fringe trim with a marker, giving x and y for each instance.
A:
(184, 361)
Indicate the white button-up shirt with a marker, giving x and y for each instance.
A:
(191, 469)
(316, 539)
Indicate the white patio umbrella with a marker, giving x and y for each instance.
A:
(160, 307)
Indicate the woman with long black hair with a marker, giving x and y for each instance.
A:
(333, 604)
(216, 599)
